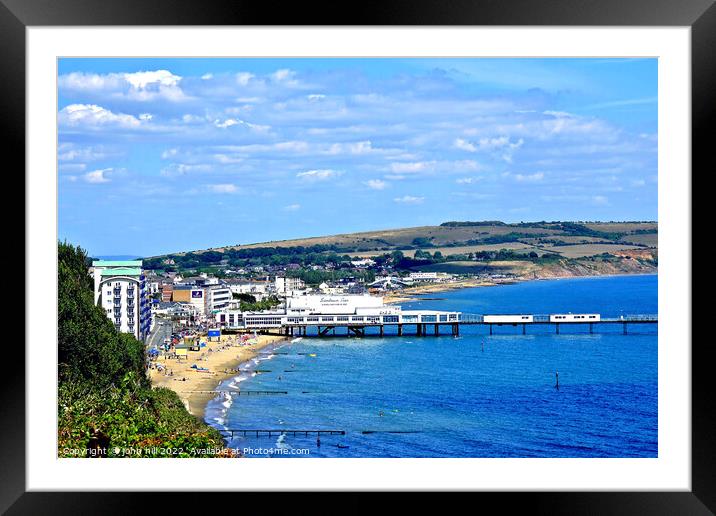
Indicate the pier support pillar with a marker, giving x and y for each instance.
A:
(557, 325)
(591, 329)
(419, 329)
(437, 330)
(400, 330)
(490, 329)
(381, 330)
(524, 328)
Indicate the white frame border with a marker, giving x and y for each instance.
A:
(670, 471)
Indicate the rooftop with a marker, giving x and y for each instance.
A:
(129, 271)
(117, 263)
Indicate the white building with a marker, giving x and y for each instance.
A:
(217, 298)
(367, 262)
(330, 311)
(257, 289)
(205, 299)
(120, 289)
(429, 276)
(286, 286)
(330, 304)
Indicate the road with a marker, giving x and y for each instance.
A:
(162, 330)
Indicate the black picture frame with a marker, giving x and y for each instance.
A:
(700, 15)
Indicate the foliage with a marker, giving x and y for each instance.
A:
(105, 400)
(89, 347)
(248, 298)
(457, 224)
(259, 306)
(316, 277)
(109, 421)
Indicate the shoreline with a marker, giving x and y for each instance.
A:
(222, 359)
(412, 294)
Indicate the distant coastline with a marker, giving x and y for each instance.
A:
(411, 294)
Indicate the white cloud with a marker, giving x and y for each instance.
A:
(318, 175)
(142, 80)
(207, 76)
(71, 152)
(222, 188)
(409, 199)
(283, 74)
(529, 178)
(466, 180)
(464, 145)
(315, 96)
(146, 117)
(243, 78)
(600, 200)
(170, 153)
(418, 166)
(558, 114)
(182, 169)
(356, 148)
(235, 121)
(97, 176)
(376, 184)
(141, 86)
(226, 123)
(501, 146)
(292, 207)
(92, 115)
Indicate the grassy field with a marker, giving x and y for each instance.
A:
(495, 267)
(456, 250)
(652, 239)
(580, 251)
(463, 238)
(620, 227)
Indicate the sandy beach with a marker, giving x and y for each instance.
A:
(408, 294)
(195, 388)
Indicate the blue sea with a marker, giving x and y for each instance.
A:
(478, 395)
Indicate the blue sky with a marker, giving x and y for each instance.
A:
(163, 155)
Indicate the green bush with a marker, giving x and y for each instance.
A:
(105, 400)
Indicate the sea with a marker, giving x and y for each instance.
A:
(478, 395)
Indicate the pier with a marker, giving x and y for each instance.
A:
(424, 323)
(270, 433)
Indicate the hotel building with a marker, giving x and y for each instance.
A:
(120, 290)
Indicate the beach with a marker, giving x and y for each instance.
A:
(194, 387)
(407, 294)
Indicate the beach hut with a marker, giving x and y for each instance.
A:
(181, 350)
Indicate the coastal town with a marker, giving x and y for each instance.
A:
(181, 319)
(359, 258)
(199, 324)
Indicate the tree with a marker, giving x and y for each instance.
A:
(89, 347)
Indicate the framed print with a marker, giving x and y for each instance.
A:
(416, 249)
